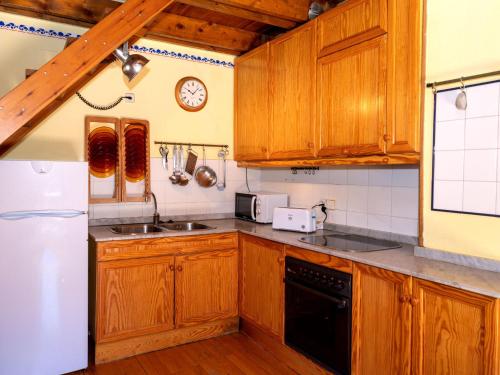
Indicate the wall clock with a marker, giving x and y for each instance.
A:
(191, 94)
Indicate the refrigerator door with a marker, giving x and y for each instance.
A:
(44, 289)
(40, 185)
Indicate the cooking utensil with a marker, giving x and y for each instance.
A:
(461, 100)
(183, 180)
(204, 175)
(192, 158)
(164, 157)
(222, 169)
(175, 175)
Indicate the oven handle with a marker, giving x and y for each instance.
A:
(341, 303)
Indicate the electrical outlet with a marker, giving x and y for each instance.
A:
(330, 204)
(129, 97)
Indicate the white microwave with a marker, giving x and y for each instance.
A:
(259, 206)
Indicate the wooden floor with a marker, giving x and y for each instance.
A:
(234, 354)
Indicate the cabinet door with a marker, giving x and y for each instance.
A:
(454, 332)
(381, 326)
(261, 283)
(352, 100)
(293, 89)
(135, 297)
(405, 78)
(206, 287)
(251, 133)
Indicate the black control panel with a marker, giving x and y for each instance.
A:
(321, 278)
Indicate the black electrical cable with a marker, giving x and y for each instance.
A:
(323, 209)
(102, 107)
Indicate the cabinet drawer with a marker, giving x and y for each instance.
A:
(321, 259)
(351, 23)
(114, 250)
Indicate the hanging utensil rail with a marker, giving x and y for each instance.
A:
(461, 79)
(191, 144)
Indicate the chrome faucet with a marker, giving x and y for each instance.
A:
(156, 215)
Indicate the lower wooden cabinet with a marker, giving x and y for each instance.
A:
(404, 325)
(454, 332)
(261, 283)
(206, 287)
(134, 297)
(381, 321)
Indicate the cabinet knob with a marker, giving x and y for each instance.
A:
(310, 145)
(387, 138)
(414, 301)
(179, 268)
(172, 268)
(404, 299)
(264, 149)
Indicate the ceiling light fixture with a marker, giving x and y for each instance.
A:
(131, 64)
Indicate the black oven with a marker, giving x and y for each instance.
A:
(318, 314)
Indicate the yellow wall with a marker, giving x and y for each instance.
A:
(462, 39)
(60, 136)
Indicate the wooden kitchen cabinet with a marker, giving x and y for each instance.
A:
(293, 89)
(261, 283)
(351, 23)
(454, 332)
(352, 100)
(381, 325)
(206, 287)
(251, 130)
(134, 297)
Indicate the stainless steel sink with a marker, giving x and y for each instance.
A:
(185, 226)
(132, 229)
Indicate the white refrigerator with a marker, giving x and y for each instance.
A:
(43, 267)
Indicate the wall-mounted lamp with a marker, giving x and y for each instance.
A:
(131, 64)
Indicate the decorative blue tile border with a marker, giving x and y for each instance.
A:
(142, 49)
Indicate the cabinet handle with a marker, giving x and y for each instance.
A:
(264, 149)
(179, 268)
(310, 145)
(172, 268)
(414, 301)
(404, 299)
(387, 138)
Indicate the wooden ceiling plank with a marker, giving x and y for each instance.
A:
(202, 32)
(171, 28)
(36, 93)
(217, 6)
(294, 10)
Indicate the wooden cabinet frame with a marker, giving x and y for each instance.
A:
(120, 178)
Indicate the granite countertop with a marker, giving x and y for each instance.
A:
(400, 260)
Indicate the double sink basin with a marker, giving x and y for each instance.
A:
(134, 229)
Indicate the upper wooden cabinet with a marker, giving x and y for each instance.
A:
(206, 287)
(293, 88)
(381, 321)
(251, 133)
(454, 332)
(134, 297)
(352, 100)
(368, 100)
(261, 283)
(351, 23)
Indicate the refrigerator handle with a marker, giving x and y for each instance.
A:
(21, 215)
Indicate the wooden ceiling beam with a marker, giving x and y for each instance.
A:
(217, 6)
(294, 10)
(37, 93)
(169, 27)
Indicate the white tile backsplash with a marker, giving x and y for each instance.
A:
(449, 195)
(449, 165)
(364, 196)
(480, 165)
(445, 107)
(481, 133)
(483, 100)
(480, 197)
(450, 135)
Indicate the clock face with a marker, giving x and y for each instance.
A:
(191, 94)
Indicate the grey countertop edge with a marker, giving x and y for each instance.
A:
(400, 260)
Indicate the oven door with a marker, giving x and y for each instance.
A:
(319, 326)
(245, 206)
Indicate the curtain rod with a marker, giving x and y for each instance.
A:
(190, 144)
(466, 78)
